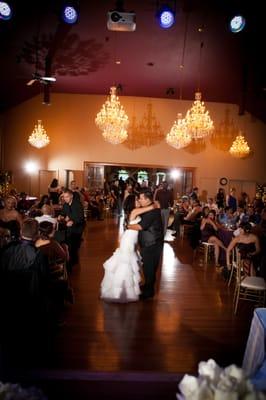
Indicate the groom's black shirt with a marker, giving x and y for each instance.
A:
(152, 228)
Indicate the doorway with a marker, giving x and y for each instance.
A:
(179, 178)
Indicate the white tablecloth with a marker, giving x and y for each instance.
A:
(255, 349)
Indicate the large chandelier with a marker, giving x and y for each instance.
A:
(178, 137)
(39, 138)
(112, 119)
(198, 121)
(239, 148)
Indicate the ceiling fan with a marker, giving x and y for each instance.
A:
(36, 77)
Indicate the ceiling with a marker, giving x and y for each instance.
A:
(226, 67)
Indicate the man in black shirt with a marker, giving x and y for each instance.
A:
(151, 242)
(73, 214)
(165, 198)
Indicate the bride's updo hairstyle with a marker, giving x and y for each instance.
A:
(130, 203)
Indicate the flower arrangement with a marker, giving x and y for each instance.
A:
(215, 383)
(11, 391)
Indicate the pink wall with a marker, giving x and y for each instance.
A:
(69, 121)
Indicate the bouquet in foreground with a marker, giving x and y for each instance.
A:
(12, 391)
(215, 383)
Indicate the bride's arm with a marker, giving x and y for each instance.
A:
(140, 210)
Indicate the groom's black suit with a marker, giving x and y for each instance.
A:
(151, 245)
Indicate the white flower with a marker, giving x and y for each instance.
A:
(189, 387)
(215, 383)
(209, 370)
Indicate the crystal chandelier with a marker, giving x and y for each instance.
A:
(39, 138)
(178, 137)
(112, 119)
(198, 121)
(239, 148)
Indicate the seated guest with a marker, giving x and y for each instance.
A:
(212, 205)
(194, 214)
(193, 219)
(241, 215)
(9, 212)
(209, 231)
(227, 218)
(57, 256)
(179, 216)
(44, 200)
(85, 194)
(23, 271)
(47, 215)
(253, 217)
(205, 212)
(248, 246)
(48, 245)
(35, 210)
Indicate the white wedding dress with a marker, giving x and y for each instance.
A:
(122, 277)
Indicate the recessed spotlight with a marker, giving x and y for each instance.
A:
(5, 11)
(166, 17)
(118, 62)
(237, 23)
(70, 13)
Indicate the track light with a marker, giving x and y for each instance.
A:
(5, 10)
(166, 17)
(70, 13)
(237, 23)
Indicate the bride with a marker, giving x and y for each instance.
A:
(122, 277)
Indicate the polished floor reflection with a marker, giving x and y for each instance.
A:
(189, 320)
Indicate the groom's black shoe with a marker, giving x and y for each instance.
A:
(144, 296)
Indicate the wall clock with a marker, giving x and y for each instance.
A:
(223, 181)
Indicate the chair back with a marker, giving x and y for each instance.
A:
(237, 265)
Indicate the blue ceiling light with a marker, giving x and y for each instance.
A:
(5, 10)
(70, 13)
(166, 17)
(237, 23)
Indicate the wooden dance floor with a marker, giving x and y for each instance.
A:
(188, 321)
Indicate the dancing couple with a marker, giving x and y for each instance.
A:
(122, 278)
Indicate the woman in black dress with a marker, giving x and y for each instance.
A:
(209, 231)
(248, 246)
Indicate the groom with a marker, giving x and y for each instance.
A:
(151, 242)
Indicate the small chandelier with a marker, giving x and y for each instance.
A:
(239, 148)
(198, 121)
(39, 138)
(178, 137)
(112, 119)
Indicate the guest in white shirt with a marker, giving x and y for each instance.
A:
(48, 213)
